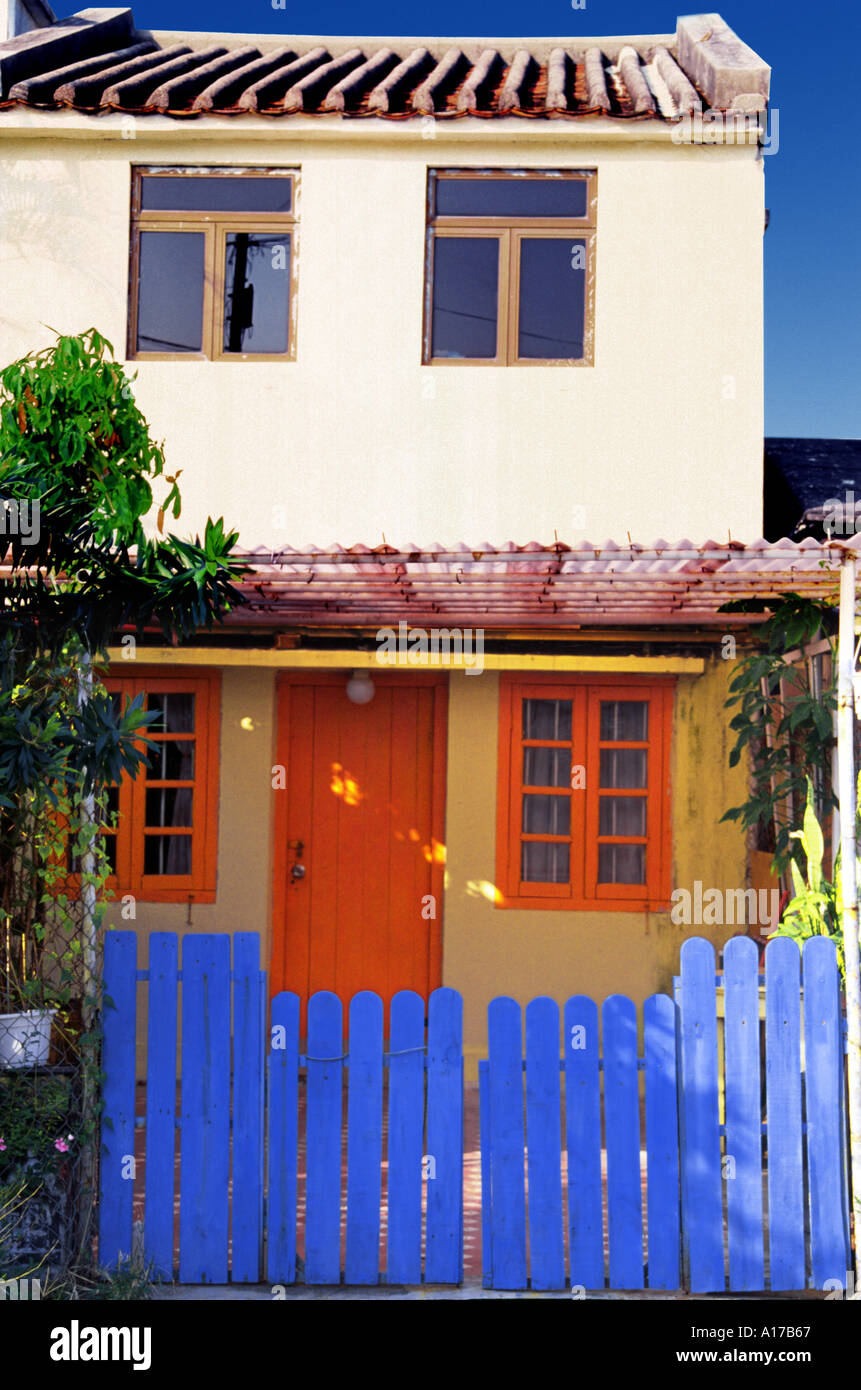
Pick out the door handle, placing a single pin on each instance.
(297, 871)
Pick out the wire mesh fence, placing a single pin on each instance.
(48, 1115)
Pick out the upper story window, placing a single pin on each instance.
(213, 259)
(510, 267)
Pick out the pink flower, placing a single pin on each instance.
(61, 1146)
(2, 1144)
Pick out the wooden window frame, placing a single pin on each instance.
(583, 893)
(200, 885)
(510, 231)
(214, 226)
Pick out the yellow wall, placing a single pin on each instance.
(486, 951)
(490, 951)
(661, 437)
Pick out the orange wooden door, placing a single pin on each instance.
(364, 796)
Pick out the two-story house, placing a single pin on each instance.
(451, 330)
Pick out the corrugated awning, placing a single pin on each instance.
(534, 586)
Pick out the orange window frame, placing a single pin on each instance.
(583, 892)
(199, 885)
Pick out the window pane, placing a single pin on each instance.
(256, 292)
(623, 767)
(169, 806)
(175, 711)
(465, 296)
(170, 292)
(167, 854)
(547, 815)
(546, 767)
(513, 197)
(622, 815)
(230, 193)
(544, 863)
(110, 843)
(621, 863)
(549, 719)
(171, 762)
(552, 297)
(625, 721)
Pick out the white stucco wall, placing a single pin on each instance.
(662, 437)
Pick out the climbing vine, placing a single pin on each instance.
(781, 723)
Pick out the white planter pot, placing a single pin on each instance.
(25, 1039)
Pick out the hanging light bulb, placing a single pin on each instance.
(360, 688)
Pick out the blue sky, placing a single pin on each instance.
(813, 181)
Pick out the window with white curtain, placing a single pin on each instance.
(584, 795)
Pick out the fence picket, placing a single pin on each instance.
(118, 1120)
(543, 1139)
(161, 1101)
(583, 1138)
(508, 1213)
(662, 1142)
(783, 1114)
(622, 1128)
(823, 1072)
(702, 1199)
(283, 1061)
(743, 1115)
(444, 1234)
(205, 1146)
(406, 1132)
(247, 1104)
(364, 1139)
(325, 1100)
(484, 1141)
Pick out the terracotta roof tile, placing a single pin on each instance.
(639, 79)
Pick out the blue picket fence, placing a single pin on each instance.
(704, 1220)
(239, 1127)
(572, 1190)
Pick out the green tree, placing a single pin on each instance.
(78, 466)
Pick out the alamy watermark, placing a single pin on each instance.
(436, 646)
(729, 128)
(21, 518)
(716, 907)
(841, 516)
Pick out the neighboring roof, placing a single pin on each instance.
(801, 477)
(532, 586)
(97, 61)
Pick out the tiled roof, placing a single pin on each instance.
(97, 61)
(538, 586)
